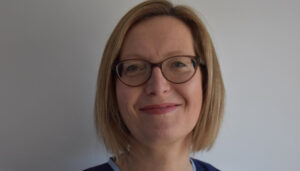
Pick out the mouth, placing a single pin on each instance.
(159, 109)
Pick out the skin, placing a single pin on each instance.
(162, 142)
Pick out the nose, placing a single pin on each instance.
(157, 84)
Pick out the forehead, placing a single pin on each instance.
(157, 38)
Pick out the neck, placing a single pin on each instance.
(171, 156)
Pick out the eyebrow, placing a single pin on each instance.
(169, 54)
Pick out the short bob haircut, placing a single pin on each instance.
(108, 121)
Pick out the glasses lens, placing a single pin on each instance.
(179, 69)
(133, 72)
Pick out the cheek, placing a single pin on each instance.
(193, 94)
(126, 98)
(122, 93)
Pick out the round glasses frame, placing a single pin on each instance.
(197, 60)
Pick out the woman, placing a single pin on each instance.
(160, 94)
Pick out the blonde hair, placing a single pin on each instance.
(109, 124)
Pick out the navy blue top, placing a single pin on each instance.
(111, 166)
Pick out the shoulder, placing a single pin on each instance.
(203, 166)
(102, 167)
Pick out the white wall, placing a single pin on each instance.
(49, 56)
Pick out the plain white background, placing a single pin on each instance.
(50, 53)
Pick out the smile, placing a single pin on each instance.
(159, 108)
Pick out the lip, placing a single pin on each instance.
(158, 109)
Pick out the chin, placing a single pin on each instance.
(163, 137)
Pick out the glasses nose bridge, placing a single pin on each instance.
(158, 76)
(158, 64)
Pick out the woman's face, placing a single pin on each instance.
(159, 112)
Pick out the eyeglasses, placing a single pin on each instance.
(177, 69)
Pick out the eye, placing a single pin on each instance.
(179, 64)
(132, 68)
